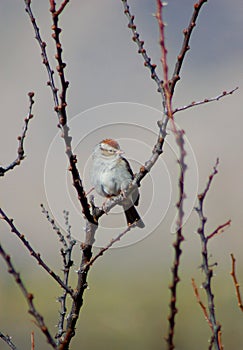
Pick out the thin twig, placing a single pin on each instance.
(67, 264)
(166, 87)
(206, 267)
(185, 45)
(32, 338)
(66, 253)
(112, 242)
(33, 253)
(21, 138)
(60, 108)
(236, 283)
(206, 100)
(81, 285)
(8, 341)
(179, 239)
(54, 226)
(219, 229)
(141, 49)
(29, 297)
(203, 307)
(61, 8)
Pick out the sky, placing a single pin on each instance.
(111, 95)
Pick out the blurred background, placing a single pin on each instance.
(126, 304)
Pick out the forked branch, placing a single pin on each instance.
(32, 251)
(206, 266)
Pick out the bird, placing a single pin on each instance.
(111, 175)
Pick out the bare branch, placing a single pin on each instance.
(28, 297)
(54, 227)
(33, 253)
(112, 242)
(203, 307)
(61, 8)
(8, 341)
(207, 269)
(32, 338)
(219, 229)
(61, 65)
(206, 100)
(21, 138)
(166, 87)
(179, 240)
(236, 284)
(185, 45)
(67, 264)
(60, 108)
(141, 49)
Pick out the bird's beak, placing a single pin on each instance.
(120, 152)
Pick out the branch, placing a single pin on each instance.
(112, 242)
(32, 338)
(33, 252)
(61, 8)
(8, 341)
(28, 297)
(81, 285)
(61, 65)
(207, 269)
(21, 138)
(166, 87)
(236, 284)
(203, 307)
(219, 229)
(141, 49)
(60, 108)
(185, 45)
(66, 253)
(179, 240)
(54, 227)
(206, 100)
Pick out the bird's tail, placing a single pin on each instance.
(132, 216)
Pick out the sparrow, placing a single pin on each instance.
(111, 175)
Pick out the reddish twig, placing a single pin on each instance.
(178, 241)
(7, 339)
(166, 87)
(61, 8)
(33, 253)
(185, 45)
(28, 297)
(203, 307)
(21, 138)
(206, 100)
(32, 338)
(206, 267)
(236, 284)
(219, 229)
